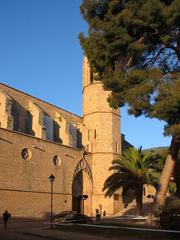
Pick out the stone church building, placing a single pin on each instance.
(38, 139)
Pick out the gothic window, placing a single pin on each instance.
(79, 139)
(56, 132)
(73, 133)
(48, 127)
(28, 124)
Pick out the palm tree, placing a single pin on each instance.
(131, 171)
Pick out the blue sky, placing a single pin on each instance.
(40, 54)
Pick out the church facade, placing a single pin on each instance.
(38, 139)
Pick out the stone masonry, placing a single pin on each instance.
(38, 139)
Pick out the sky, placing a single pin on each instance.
(40, 54)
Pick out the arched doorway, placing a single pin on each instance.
(82, 193)
(77, 191)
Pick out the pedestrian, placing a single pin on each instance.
(98, 216)
(6, 217)
(104, 213)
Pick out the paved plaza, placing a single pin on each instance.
(38, 230)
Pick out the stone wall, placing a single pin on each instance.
(26, 163)
(29, 157)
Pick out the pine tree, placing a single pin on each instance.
(134, 49)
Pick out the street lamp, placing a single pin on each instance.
(51, 179)
(83, 198)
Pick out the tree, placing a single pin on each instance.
(160, 153)
(130, 172)
(134, 49)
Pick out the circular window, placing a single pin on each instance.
(56, 160)
(26, 154)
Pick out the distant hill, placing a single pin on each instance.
(156, 149)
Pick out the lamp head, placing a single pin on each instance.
(51, 178)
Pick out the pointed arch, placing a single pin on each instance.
(83, 165)
(82, 186)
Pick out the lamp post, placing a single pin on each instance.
(51, 179)
(83, 197)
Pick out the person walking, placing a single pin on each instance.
(6, 216)
(98, 216)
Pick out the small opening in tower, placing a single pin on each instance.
(88, 134)
(94, 133)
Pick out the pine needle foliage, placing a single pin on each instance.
(134, 46)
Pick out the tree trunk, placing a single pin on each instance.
(177, 176)
(139, 201)
(165, 178)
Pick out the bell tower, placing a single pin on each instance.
(100, 136)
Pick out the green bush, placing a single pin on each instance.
(170, 215)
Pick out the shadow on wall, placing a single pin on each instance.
(23, 122)
(29, 124)
(47, 215)
(22, 119)
(56, 133)
(79, 139)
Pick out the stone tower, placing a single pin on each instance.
(101, 137)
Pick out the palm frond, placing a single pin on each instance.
(132, 169)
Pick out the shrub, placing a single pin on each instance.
(170, 215)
